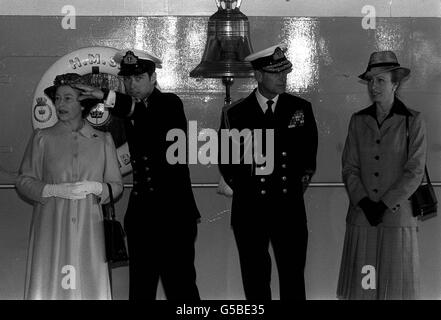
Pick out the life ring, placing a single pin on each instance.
(82, 61)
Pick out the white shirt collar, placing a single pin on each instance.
(262, 101)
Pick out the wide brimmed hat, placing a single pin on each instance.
(135, 62)
(66, 79)
(383, 61)
(271, 59)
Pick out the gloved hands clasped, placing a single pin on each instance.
(73, 191)
(374, 211)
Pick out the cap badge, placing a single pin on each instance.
(278, 54)
(130, 58)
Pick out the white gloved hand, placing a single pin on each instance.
(87, 187)
(89, 92)
(224, 189)
(62, 190)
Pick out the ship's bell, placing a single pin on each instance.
(228, 43)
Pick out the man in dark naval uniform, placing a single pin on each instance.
(269, 207)
(161, 218)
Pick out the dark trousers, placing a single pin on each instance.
(289, 242)
(162, 250)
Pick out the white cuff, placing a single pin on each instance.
(98, 188)
(111, 99)
(48, 191)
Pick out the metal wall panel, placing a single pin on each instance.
(328, 54)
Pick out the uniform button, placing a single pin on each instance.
(135, 172)
(375, 190)
(378, 141)
(283, 166)
(133, 161)
(284, 178)
(74, 220)
(398, 205)
(75, 155)
(151, 189)
(376, 174)
(149, 179)
(262, 179)
(147, 169)
(144, 158)
(377, 158)
(284, 153)
(135, 182)
(135, 193)
(285, 190)
(263, 192)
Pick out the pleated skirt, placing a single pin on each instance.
(379, 263)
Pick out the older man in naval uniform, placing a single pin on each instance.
(268, 206)
(162, 216)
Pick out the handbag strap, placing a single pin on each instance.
(407, 150)
(111, 202)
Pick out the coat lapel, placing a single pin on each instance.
(254, 113)
(392, 122)
(370, 122)
(280, 111)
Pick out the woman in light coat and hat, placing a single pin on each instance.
(64, 173)
(381, 170)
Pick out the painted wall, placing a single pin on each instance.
(292, 8)
(327, 52)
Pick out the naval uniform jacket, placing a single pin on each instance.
(377, 164)
(278, 195)
(162, 191)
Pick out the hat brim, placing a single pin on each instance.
(284, 66)
(50, 92)
(403, 72)
(131, 72)
(142, 66)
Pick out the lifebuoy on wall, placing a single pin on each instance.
(90, 60)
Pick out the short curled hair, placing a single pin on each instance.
(396, 77)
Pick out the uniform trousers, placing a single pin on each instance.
(162, 249)
(289, 241)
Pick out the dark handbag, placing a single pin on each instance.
(116, 252)
(424, 202)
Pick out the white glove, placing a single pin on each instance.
(89, 92)
(305, 181)
(62, 190)
(224, 189)
(87, 187)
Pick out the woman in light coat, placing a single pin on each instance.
(63, 172)
(380, 171)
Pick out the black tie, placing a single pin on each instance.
(269, 115)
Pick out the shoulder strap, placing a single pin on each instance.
(407, 135)
(111, 208)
